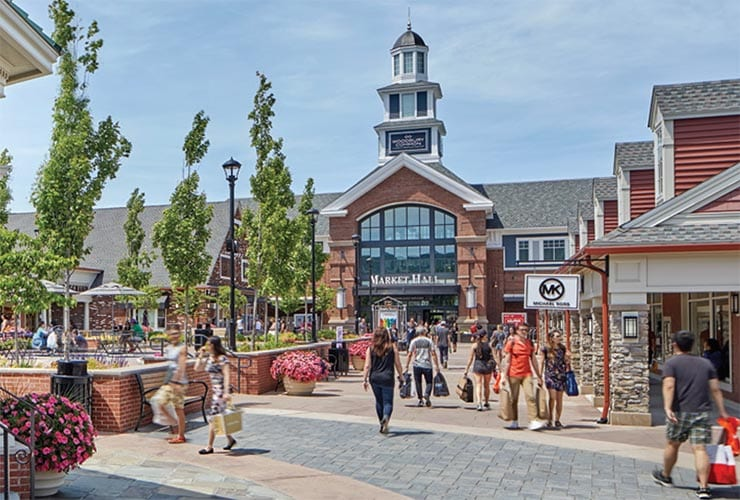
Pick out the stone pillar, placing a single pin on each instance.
(585, 373)
(629, 375)
(597, 347)
(575, 341)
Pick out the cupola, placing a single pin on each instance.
(409, 58)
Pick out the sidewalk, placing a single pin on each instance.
(327, 446)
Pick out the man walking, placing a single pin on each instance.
(688, 381)
(421, 350)
(441, 338)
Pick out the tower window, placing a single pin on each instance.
(396, 64)
(420, 62)
(408, 62)
(407, 105)
(421, 104)
(394, 105)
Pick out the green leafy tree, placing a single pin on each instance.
(267, 230)
(5, 196)
(82, 157)
(223, 299)
(182, 233)
(133, 268)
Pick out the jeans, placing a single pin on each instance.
(443, 353)
(383, 400)
(427, 373)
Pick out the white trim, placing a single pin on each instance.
(475, 201)
(704, 218)
(32, 46)
(560, 230)
(693, 199)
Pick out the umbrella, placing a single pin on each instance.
(52, 287)
(111, 288)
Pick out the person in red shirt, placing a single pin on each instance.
(517, 367)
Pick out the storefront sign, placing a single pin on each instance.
(556, 291)
(515, 319)
(388, 318)
(406, 279)
(410, 141)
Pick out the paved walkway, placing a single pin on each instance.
(327, 446)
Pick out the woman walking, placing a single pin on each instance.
(516, 372)
(171, 396)
(555, 363)
(453, 336)
(481, 357)
(217, 366)
(381, 358)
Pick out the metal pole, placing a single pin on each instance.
(370, 291)
(232, 308)
(313, 278)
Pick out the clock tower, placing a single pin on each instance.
(410, 123)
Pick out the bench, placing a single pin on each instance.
(150, 382)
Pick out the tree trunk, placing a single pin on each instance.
(254, 320)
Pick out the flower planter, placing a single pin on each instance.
(357, 363)
(48, 482)
(296, 388)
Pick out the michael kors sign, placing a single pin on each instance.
(556, 291)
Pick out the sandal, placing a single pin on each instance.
(176, 440)
(205, 451)
(232, 442)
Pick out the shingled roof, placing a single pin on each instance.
(537, 204)
(605, 188)
(633, 156)
(701, 98)
(687, 234)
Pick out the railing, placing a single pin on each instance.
(22, 455)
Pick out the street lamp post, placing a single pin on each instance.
(231, 170)
(370, 291)
(314, 213)
(356, 291)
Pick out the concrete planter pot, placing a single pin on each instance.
(295, 388)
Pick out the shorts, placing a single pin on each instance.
(693, 426)
(170, 394)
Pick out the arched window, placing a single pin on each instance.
(409, 240)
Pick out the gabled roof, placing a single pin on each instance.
(633, 156)
(684, 100)
(537, 204)
(434, 173)
(605, 188)
(586, 209)
(702, 234)
(688, 201)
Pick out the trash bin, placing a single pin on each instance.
(73, 382)
(340, 355)
(201, 337)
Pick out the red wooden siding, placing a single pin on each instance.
(590, 231)
(611, 216)
(642, 192)
(704, 147)
(728, 203)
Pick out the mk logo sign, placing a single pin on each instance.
(552, 289)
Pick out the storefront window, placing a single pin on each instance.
(709, 316)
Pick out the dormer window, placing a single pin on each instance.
(420, 66)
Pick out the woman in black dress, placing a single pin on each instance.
(481, 357)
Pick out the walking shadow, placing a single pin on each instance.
(240, 452)
(392, 434)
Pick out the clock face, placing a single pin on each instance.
(408, 141)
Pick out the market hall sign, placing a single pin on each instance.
(406, 279)
(556, 291)
(409, 141)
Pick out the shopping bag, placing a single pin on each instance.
(571, 386)
(543, 412)
(404, 388)
(229, 422)
(722, 464)
(505, 410)
(440, 386)
(464, 389)
(730, 426)
(497, 383)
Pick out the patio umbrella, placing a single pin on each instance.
(52, 287)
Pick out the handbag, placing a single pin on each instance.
(543, 412)
(464, 389)
(505, 411)
(404, 389)
(721, 464)
(440, 386)
(730, 426)
(571, 386)
(228, 422)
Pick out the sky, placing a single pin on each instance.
(532, 90)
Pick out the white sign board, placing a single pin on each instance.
(552, 291)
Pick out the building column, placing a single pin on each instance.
(585, 373)
(628, 368)
(575, 341)
(597, 348)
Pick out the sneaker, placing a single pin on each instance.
(535, 425)
(428, 403)
(703, 493)
(662, 480)
(384, 425)
(479, 407)
(487, 406)
(558, 424)
(420, 403)
(514, 425)
(445, 365)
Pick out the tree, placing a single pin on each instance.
(223, 299)
(5, 196)
(82, 157)
(182, 233)
(133, 268)
(267, 230)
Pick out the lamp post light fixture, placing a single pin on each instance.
(471, 300)
(314, 213)
(231, 170)
(341, 297)
(356, 290)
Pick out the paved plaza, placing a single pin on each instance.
(328, 446)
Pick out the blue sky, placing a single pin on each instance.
(532, 89)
